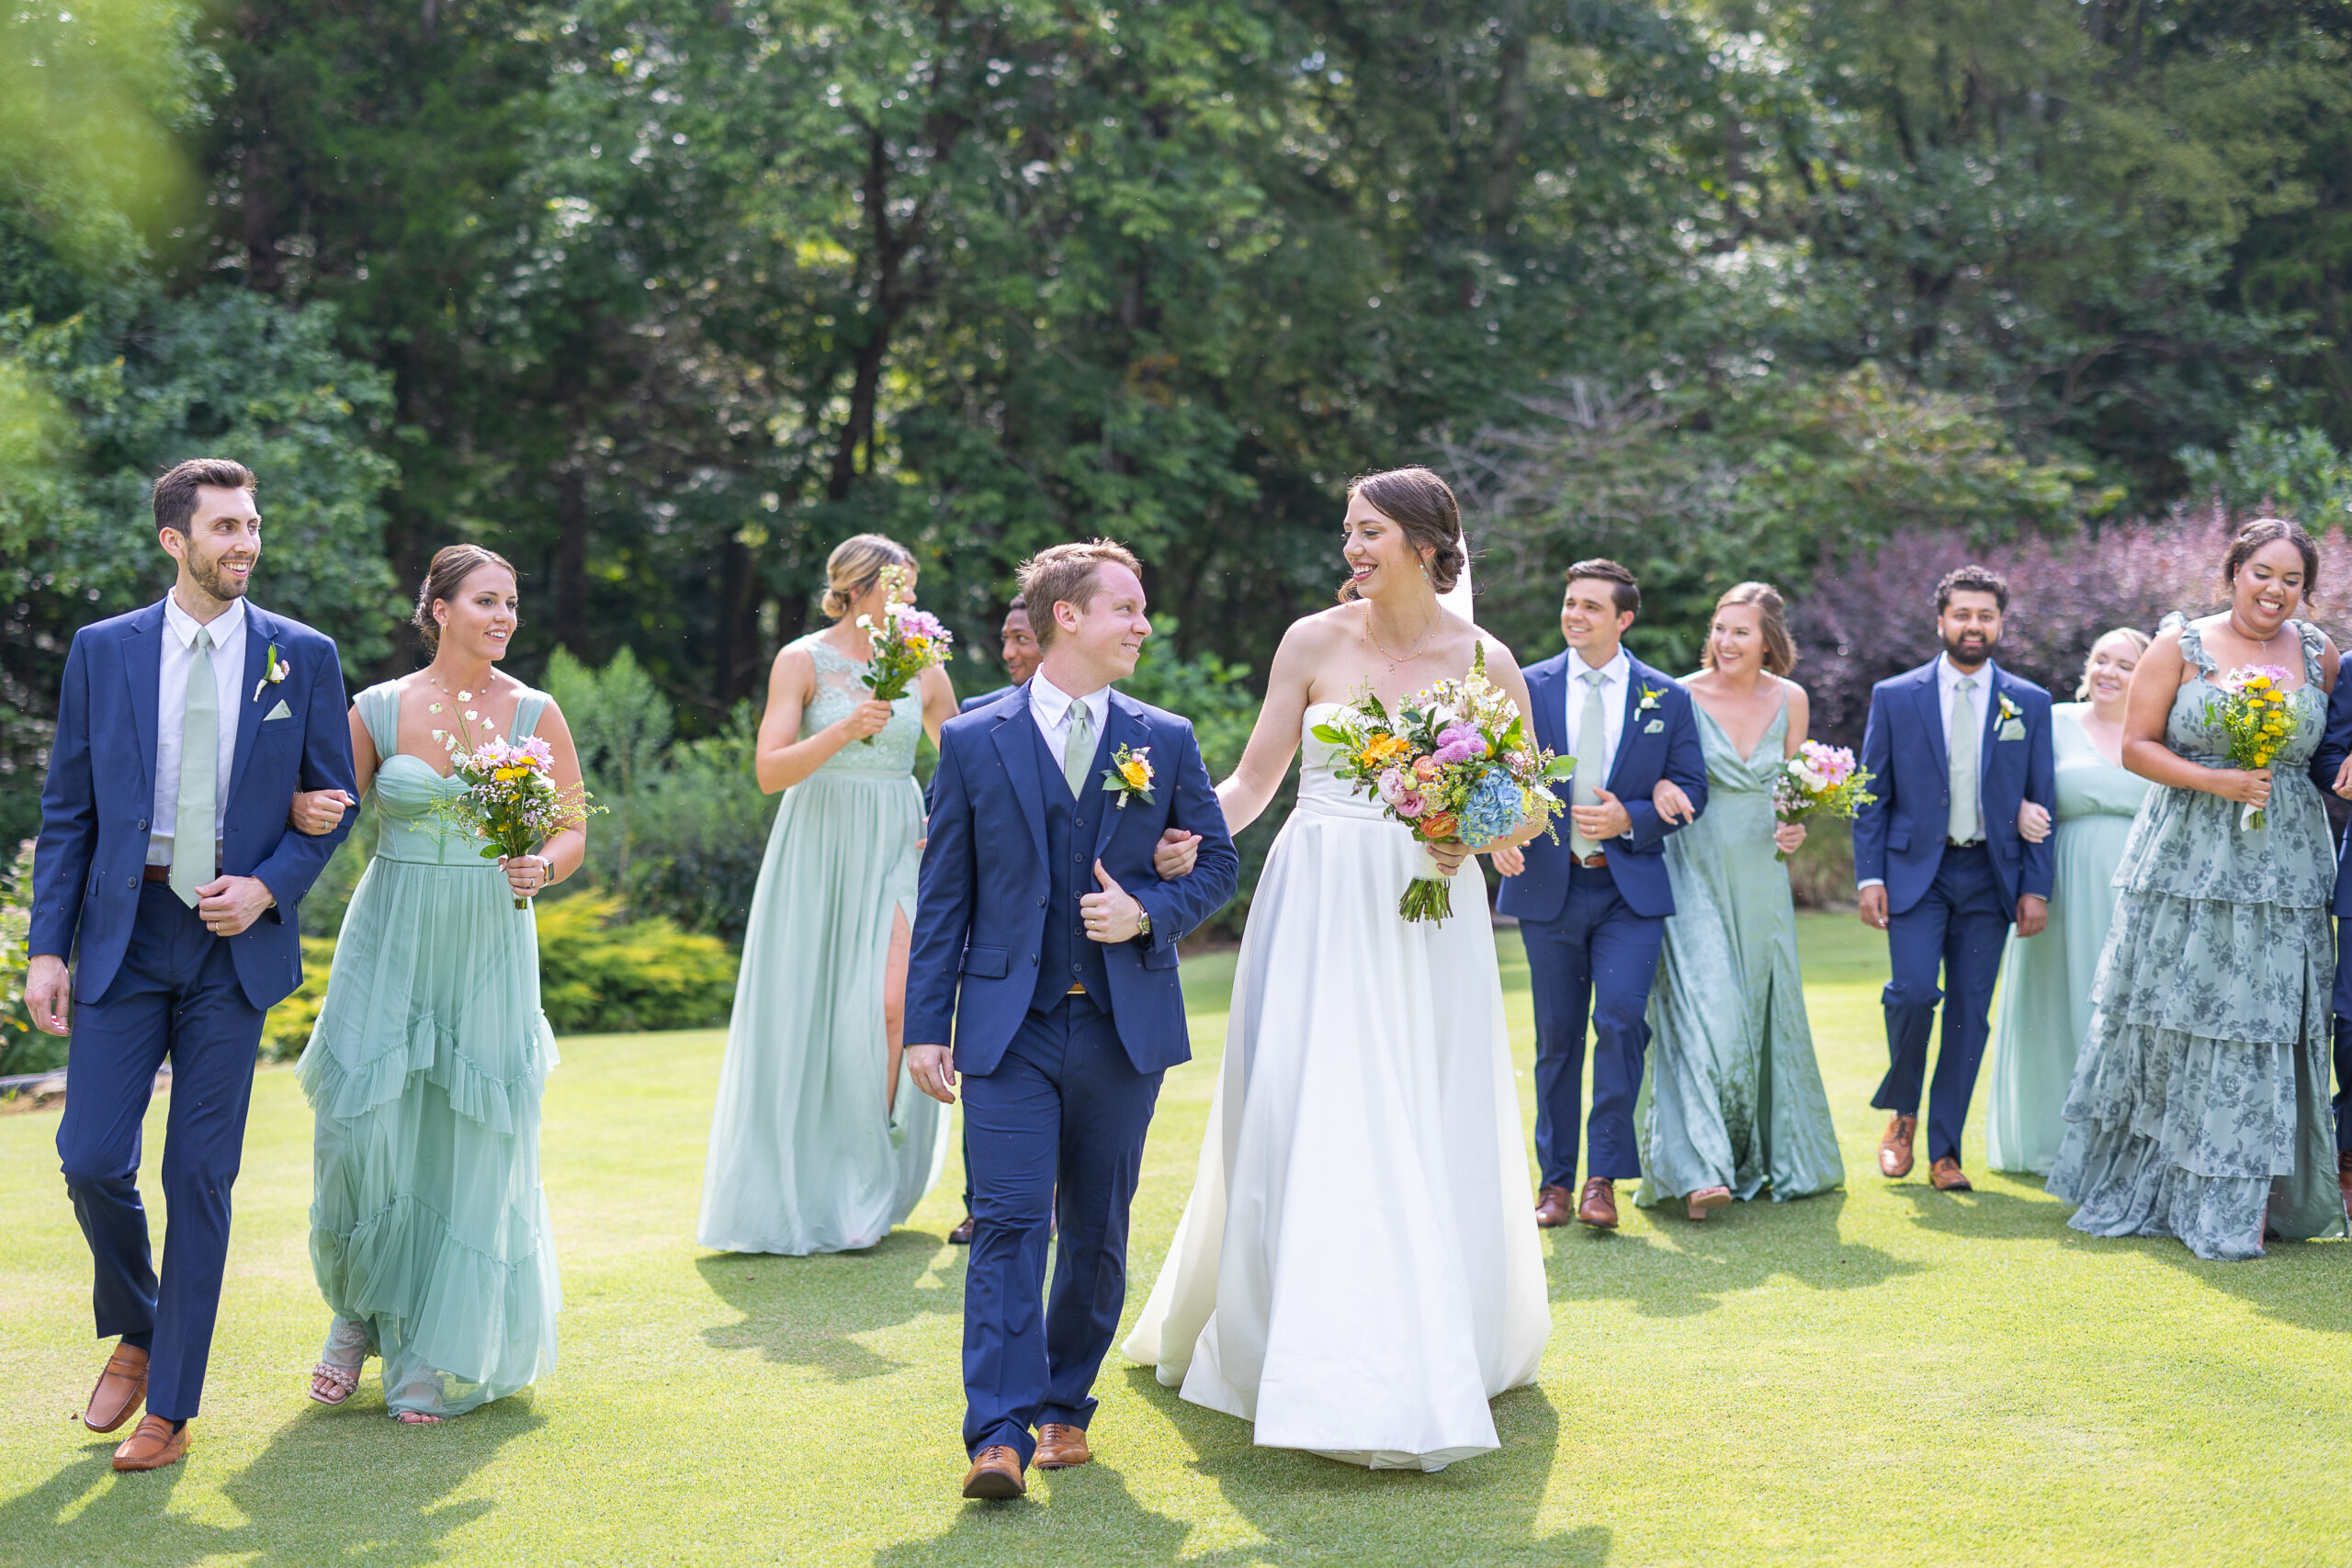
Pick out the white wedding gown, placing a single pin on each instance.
(1357, 1269)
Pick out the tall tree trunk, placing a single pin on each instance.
(571, 561)
(738, 635)
(1510, 120)
(865, 386)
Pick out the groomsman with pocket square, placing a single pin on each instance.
(1592, 908)
(168, 874)
(1953, 748)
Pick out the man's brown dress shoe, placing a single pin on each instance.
(121, 1389)
(996, 1473)
(961, 1234)
(1555, 1206)
(1945, 1176)
(151, 1445)
(1598, 1206)
(1894, 1149)
(2344, 1177)
(1060, 1446)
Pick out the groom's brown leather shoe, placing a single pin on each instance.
(1555, 1206)
(2343, 1179)
(151, 1445)
(1060, 1446)
(1598, 1206)
(1894, 1149)
(996, 1473)
(1945, 1176)
(121, 1389)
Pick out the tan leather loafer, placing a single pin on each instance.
(996, 1475)
(121, 1389)
(1597, 1206)
(1699, 1203)
(152, 1445)
(1894, 1149)
(1945, 1176)
(1555, 1206)
(1060, 1446)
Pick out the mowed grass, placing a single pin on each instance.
(1886, 1375)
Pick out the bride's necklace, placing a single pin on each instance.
(1437, 616)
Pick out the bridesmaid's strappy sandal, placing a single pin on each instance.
(336, 1377)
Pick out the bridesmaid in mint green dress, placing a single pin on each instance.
(2199, 1105)
(2044, 1006)
(429, 1231)
(820, 1141)
(1733, 1102)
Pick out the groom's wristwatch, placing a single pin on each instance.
(1143, 923)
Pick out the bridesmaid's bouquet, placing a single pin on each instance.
(2258, 717)
(908, 642)
(510, 800)
(1820, 781)
(1454, 764)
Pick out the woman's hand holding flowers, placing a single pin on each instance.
(1788, 837)
(2248, 786)
(865, 721)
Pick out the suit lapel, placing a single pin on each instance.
(1930, 697)
(1015, 736)
(142, 666)
(1544, 696)
(259, 630)
(1637, 676)
(1122, 725)
(1993, 695)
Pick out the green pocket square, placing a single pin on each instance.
(2012, 730)
(1654, 726)
(280, 711)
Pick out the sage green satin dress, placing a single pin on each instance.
(1733, 1097)
(2045, 1007)
(806, 1154)
(429, 1231)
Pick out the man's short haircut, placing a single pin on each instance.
(175, 491)
(1622, 589)
(1064, 574)
(1020, 606)
(1973, 578)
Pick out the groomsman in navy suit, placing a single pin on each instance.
(2332, 769)
(168, 872)
(1592, 908)
(1044, 948)
(1953, 748)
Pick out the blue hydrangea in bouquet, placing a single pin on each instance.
(1454, 764)
(908, 642)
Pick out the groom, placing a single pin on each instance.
(167, 871)
(1045, 945)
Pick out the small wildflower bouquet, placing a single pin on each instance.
(908, 642)
(1820, 781)
(510, 800)
(1454, 764)
(2258, 718)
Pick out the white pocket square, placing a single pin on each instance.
(280, 711)
(1654, 726)
(2012, 730)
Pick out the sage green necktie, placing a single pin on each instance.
(193, 846)
(1965, 825)
(1592, 742)
(1078, 749)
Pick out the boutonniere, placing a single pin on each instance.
(2008, 708)
(1650, 694)
(273, 670)
(1129, 774)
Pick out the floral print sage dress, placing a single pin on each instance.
(2200, 1100)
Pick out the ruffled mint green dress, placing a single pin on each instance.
(806, 1154)
(2201, 1093)
(2044, 1008)
(429, 1231)
(1733, 1097)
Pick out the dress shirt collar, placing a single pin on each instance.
(1948, 675)
(1052, 704)
(1613, 674)
(223, 626)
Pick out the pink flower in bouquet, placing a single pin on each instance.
(1392, 786)
(1412, 804)
(1459, 743)
(922, 624)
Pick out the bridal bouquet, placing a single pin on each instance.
(1454, 764)
(510, 799)
(908, 642)
(1820, 781)
(2258, 718)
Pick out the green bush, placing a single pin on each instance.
(23, 1048)
(699, 830)
(287, 1028)
(599, 976)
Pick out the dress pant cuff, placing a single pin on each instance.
(1066, 1415)
(1018, 1438)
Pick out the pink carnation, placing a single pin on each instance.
(1392, 786)
(1460, 743)
(1412, 804)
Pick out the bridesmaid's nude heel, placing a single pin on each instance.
(1708, 1197)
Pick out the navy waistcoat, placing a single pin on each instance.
(1071, 830)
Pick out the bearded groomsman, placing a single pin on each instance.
(1954, 747)
(168, 872)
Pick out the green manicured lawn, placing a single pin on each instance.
(1883, 1376)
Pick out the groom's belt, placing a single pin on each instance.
(1598, 858)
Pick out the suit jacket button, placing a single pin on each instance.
(1041, 903)
(143, 824)
(1033, 961)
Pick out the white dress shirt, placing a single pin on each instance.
(228, 631)
(1948, 678)
(1615, 677)
(1050, 705)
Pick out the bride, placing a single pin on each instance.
(1356, 1271)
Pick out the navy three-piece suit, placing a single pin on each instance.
(2334, 746)
(151, 982)
(1058, 1084)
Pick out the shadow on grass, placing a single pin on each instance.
(1988, 1213)
(804, 1310)
(1686, 1267)
(2297, 1282)
(299, 1498)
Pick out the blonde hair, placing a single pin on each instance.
(1771, 614)
(855, 565)
(1065, 574)
(2132, 635)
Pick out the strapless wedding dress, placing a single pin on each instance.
(1357, 1271)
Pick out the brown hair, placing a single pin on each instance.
(1065, 574)
(452, 564)
(1420, 504)
(2132, 635)
(2267, 531)
(175, 491)
(1771, 614)
(855, 565)
(1972, 580)
(1624, 592)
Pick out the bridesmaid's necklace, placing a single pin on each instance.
(2244, 633)
(1437, 615)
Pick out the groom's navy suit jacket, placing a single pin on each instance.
(1899, 838)
(1659, 741)
(986, 884)
(101, 792)
(2334, 746)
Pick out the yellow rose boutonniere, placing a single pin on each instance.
(1129, 774)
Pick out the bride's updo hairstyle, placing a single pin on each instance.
(1420, 503)
(452, 564)
(855, 565)
(2264, 531)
